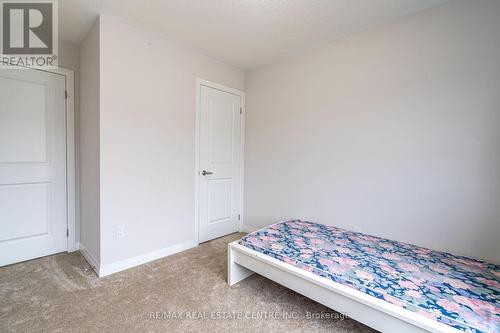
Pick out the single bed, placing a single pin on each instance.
(388, 285)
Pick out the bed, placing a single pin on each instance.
(387, 285)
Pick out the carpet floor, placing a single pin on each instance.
(186, 292)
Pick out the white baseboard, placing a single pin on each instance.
(248, 229)
(89, 257)
(121, 265)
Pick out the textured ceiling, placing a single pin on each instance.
(243, 33)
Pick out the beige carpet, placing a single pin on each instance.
(61, 293)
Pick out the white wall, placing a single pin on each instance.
(147, 125)
(89, 143)
(395, 130)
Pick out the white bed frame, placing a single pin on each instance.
(373, 312)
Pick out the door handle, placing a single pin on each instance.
(206, 173)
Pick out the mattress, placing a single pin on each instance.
(457, 291)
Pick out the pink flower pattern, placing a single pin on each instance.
(457, 291)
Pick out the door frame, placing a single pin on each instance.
(199, 83)
(71, 204)
(71, 208)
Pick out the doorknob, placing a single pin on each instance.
(205, 173)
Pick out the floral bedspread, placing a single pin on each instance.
(460, 292)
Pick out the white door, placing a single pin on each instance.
(219, 195)
(32, 165)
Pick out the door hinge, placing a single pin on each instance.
(66, 94)
(241, 110)
(67, 232)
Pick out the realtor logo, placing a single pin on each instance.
(29, 33)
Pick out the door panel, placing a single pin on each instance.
(221, 121)
(32, 165)
(23, 121)
(220, 131)
(220, 192)
(33, 219)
